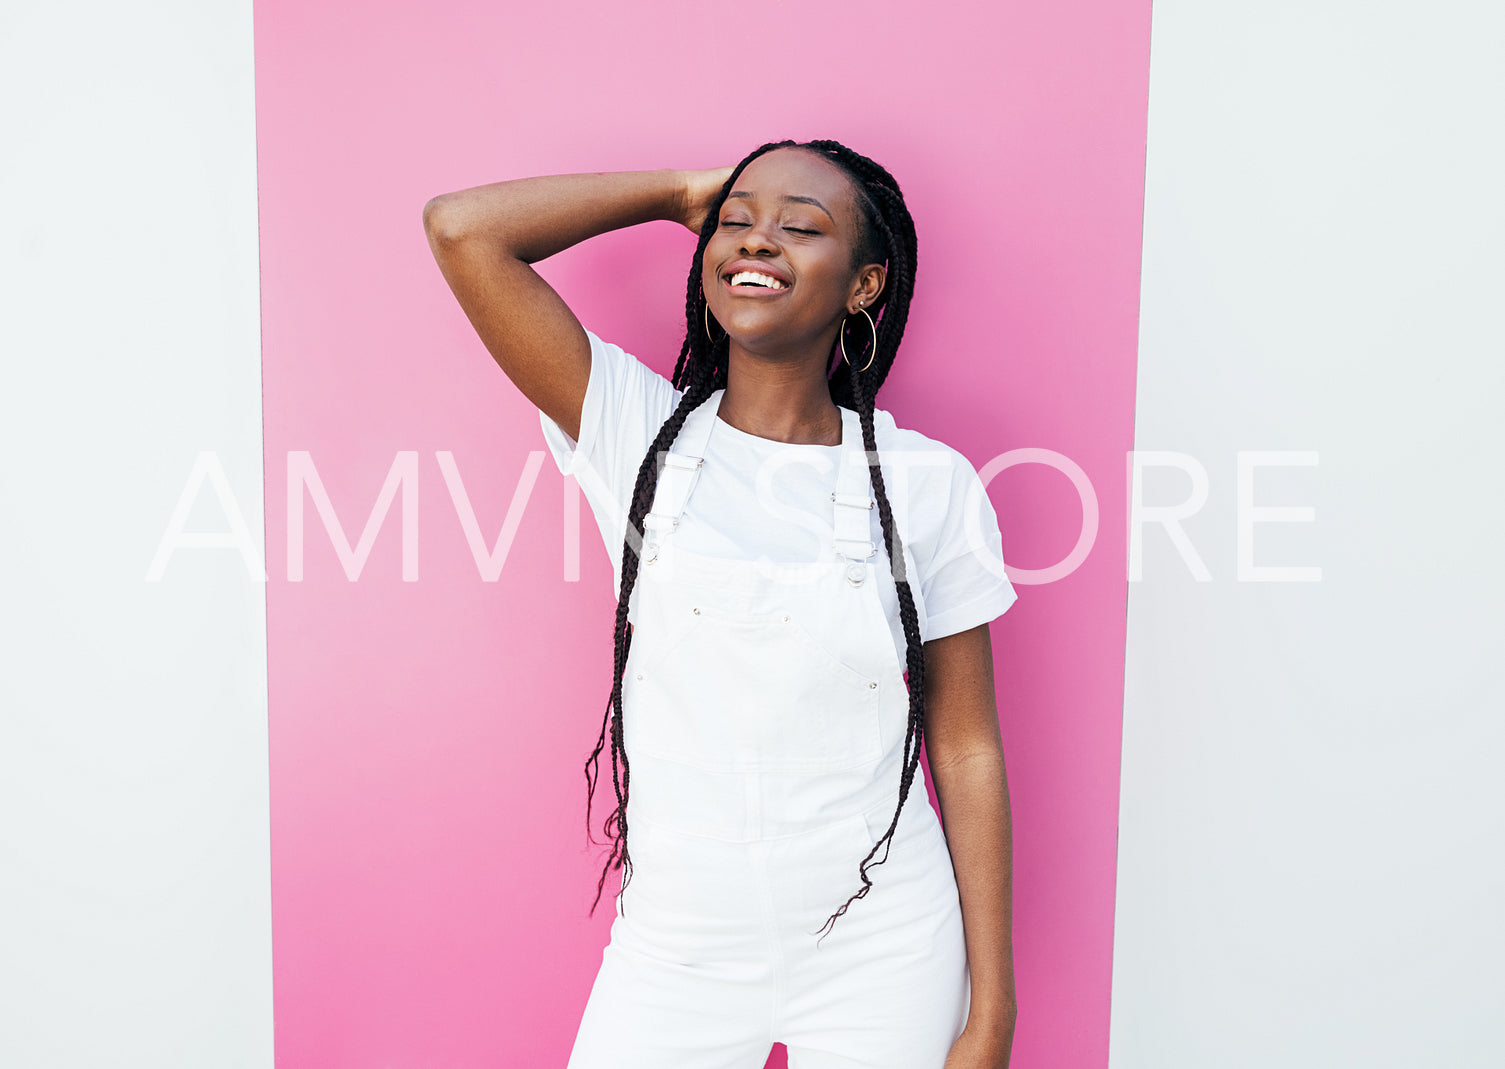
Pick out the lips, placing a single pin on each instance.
(748, 278)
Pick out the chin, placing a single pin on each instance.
(761, 338)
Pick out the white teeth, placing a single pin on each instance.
(757, 278)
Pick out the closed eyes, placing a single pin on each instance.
(791, 229)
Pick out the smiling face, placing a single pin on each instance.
(777, 271)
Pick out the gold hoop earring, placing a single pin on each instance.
(841, 340)
(706, 305)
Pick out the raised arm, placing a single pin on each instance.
(485, 240)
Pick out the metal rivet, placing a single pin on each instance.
(870, 686)
(640, 675)
(695, 611)
(786, 619)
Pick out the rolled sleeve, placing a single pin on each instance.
(984, 606)
(626, 403)
(971, 586)
(572, 455)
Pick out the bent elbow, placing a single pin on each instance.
(438, 221)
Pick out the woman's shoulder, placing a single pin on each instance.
(932, 486)
(948, 522)
(910, 445)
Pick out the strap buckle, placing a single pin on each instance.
(871, 548)
(856, 501)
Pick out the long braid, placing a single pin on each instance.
(699, 372)
(888, 235)
(893, 238)
(615, 826)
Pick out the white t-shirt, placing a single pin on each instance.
(758, 499)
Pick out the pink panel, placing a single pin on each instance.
(431, 877)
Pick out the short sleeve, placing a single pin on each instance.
(626, 402)
(965, 583)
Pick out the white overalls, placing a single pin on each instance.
(765, 710)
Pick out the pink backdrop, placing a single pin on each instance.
(430, 871)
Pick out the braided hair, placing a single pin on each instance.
(886, 235)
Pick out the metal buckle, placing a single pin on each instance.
(856, 501)
(871, 548)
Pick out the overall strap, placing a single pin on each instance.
(853, 499)
(681, 468)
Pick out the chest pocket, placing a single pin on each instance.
(736, 691)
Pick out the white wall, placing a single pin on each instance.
(135, 917)
(1310, 862)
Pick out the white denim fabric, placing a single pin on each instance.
(765, 710)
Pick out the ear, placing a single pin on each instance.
(870, 282)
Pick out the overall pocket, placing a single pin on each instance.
(745, 691)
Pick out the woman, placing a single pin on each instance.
(780, 654)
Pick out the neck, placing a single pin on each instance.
(785, 401)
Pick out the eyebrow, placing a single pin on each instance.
(787, 198)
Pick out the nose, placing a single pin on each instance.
(757, 239)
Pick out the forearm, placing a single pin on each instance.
(974, 798)
(531, 219)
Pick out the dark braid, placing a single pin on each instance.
(894, 240)
(887, 236)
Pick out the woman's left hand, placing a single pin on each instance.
(972, 1051)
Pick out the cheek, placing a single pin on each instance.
(708, 263)
(830, 278)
